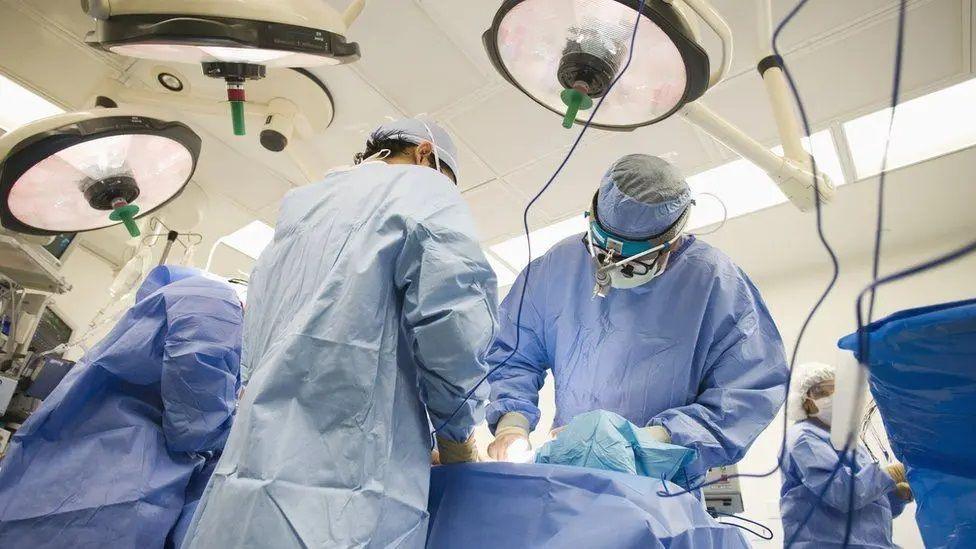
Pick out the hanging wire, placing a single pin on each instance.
(832, 256)
(725, 216)
(525, 223)
(767, 536)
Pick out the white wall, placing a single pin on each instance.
(790, 298)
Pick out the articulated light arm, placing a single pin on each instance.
(793, 172)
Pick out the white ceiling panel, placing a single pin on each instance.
(509, 130)
(67, 15)
(464, 23)
(411, 59)
(50, 61)
(570, 194)
(855, 72)
(497, 210)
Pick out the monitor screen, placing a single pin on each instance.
(60, 244)
(52, 331)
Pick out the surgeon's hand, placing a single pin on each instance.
(511, 428)
(435, 457)
(897, 473)
(904, 491)
(450, 451)
(658, 433)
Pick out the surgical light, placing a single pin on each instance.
(85, 171)
(564, 54)
(234, 40)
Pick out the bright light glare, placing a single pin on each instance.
(520, 452)
(744, 188)
(251, 239)
(513, 251)
(19, 106)
(932, 125)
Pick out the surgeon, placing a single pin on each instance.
(369, 318)
(638, 318)
(814, 521)
(111, 456)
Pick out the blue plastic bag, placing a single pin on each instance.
(604, 440)
(923, 377)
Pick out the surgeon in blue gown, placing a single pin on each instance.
(111, 456)
(369, 318)
(811, 468)
(640, 319)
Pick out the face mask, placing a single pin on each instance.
(825, 409)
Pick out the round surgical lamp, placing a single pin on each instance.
(565, 54)
(233, 40)
(85, 171)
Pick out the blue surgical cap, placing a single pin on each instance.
(641, 196)
(417, 131)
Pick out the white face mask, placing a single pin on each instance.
(825, 409)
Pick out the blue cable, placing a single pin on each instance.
(525, 224)
(835, 264)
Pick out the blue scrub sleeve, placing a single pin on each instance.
(201, 366)
(449, 294)
(515, 386)
(742, 391)
(816, 459)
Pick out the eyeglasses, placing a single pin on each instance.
(821, 390)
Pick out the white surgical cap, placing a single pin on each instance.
(417, 131)
(806, 376)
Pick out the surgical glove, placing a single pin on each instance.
(904, 491)
(658, 433)
(450, 451)
(511, 428)
(897, 473)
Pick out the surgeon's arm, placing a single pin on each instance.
(521, 371)
(816, 460)
(743, 388)
(448, 292)
(201, 365)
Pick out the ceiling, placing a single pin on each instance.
(425, 56)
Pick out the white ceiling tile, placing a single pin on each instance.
(571, 193)
(411, 59)
(498, 211)
(509, 130)
(224, 170)
(464, 23)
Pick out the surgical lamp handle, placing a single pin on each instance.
(720, 27)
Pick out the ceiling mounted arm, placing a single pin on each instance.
(720, 27)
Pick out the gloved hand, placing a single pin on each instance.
(904, 491)
(450, 451)
(512, 427)
(897, 473)
(658, 433)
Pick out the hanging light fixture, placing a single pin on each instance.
(564, 54)
(233, 40)
(90, 170)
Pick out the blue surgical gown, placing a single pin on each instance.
(694, 350)
(373, 300)
(807, 465)
(107, 459)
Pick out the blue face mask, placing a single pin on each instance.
(604, 440)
